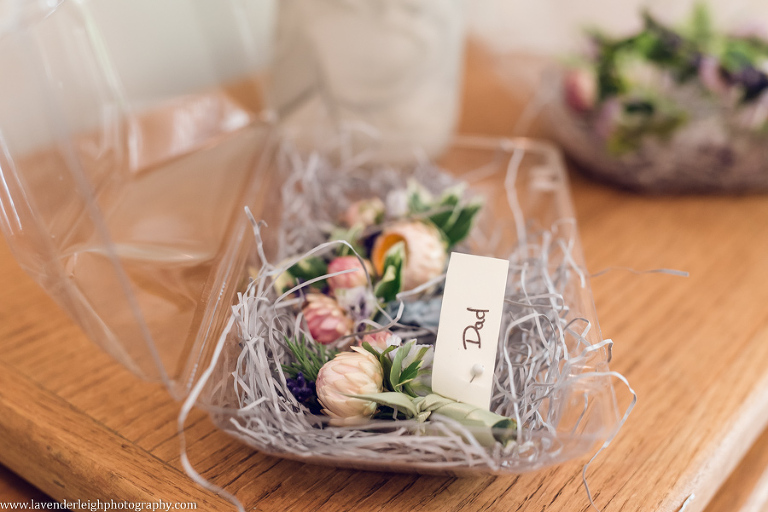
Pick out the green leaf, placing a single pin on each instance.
(463, 225)
(500, 429)
(701, 25)
(505, 430)
(609, 80)
(409, 390)
(410, 373)
(391, 280)
(419, 199)
(422, 352)
(397, 401)
(367, 346)
(448, 209)
(386, 366)
(433, 402)
(397, 364)
(309, 268)
(417, 388)
(352, 237)
(386, 351)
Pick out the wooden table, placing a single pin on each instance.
(79, 426)
(13, 489)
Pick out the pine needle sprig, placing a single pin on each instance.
(308, 358)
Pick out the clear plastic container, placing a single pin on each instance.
(130, 139)
(527, 209)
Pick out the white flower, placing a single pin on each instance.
(349, 373)
(365, 212)
(359, 302)
(397, 203)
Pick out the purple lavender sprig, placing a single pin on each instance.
(305, 392)
(302, 371)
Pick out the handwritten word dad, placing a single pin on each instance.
(472, 332)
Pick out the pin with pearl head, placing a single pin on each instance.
(476, 371)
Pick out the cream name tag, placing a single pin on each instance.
(468, 333)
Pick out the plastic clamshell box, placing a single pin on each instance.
(123, 196)
(524, 187)
(125, 164)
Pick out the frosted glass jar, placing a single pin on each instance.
(389, 70)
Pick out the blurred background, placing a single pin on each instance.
(328, 62)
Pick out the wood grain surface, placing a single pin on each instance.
(746, 490)
(79, 426)
(14, 489)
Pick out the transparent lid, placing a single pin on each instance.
(131, 138)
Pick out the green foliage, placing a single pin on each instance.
(396, 378)
(453, 217)
(462, 223)
(352, 236)
(701, 30)
(446, 207)
(500, 428)
(632, 70)
(309, 268)
(391, 281)
(656, 44)
(737, 53)
(397, 402)
(644, 118)
(419, 198)
(677, 51)
(487, 427)
(308, 358)
(451, 213)
(609, 81)
(667, 48)
(386, 363)
(399, 377)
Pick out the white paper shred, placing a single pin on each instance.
(549, 377)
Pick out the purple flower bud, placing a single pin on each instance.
(304, 392)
